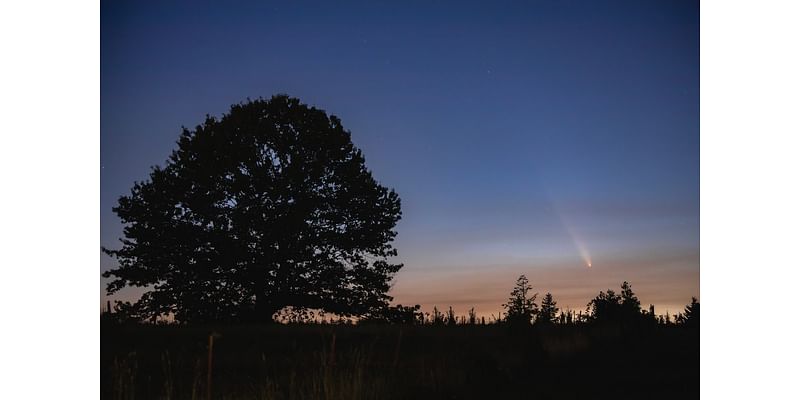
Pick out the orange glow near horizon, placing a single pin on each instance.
(666, 281)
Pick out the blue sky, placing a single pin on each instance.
(514, 132)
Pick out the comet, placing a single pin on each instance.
(576, 239)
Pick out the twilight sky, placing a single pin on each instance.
(523, 137)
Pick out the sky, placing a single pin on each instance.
(530, 137)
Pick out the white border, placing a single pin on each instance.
(49, 199)
(49, 220)
(750, 181)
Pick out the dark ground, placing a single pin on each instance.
(400, 362)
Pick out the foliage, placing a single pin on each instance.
(547, 313)
(267, 207)
(612, 307)
(605, 306)
(521, 308)
(451, 317)
(437, 317)
(630, 303)
(691, 314)
(398, 314)
(473, 317)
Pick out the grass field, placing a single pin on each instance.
(399, 362)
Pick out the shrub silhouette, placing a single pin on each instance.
(398, 314)
(268, 207)
(451, 317)
(437, 317)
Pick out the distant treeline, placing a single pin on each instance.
(521, 309)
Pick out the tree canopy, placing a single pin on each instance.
(691, 314)
(269, 206)
(609, 306)
(548, 311)
(521, 308)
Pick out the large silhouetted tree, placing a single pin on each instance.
(268, 206)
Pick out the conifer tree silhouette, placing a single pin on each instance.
(548, 310)
(691, 314)
(521, 308)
